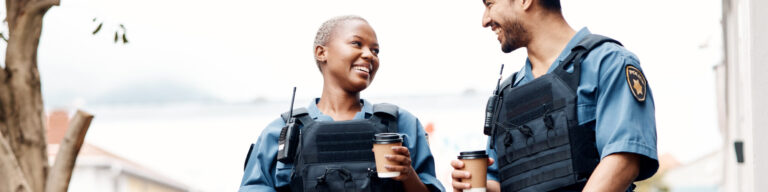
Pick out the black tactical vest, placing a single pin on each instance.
(536, 133)
(338, 156)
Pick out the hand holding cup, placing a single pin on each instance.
(391, 156)
(470, 170)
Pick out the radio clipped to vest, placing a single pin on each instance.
(490, 107)
(289, 137)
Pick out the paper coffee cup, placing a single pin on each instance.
(382, 146)
(476, 163)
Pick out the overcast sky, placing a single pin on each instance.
(239, 51)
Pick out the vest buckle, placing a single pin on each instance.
(525, 130)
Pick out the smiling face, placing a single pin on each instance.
(349, 59)
(504, 18)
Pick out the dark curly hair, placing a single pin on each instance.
(550, 5)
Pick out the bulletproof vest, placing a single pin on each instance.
(536, 133)
(337, 156)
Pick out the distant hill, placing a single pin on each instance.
(155, 92)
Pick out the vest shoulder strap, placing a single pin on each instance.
(509, 82)
(388, 114)
(385, 109)
(301, 114)
(594, 40)
(577, 55)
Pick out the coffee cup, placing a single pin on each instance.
(382, 146)
(476, 163)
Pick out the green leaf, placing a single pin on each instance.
(125, 40)
(98, 28)
(115, 36)
(3, 37)
(94, 19)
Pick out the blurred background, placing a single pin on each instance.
(177, 106)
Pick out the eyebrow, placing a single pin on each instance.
(356, 36)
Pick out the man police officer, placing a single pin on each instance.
(579, 116)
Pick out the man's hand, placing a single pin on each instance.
(457, 175)
(614, 173)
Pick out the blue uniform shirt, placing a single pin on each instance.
(264, 173)
(622, 124)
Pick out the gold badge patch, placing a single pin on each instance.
(636, 81)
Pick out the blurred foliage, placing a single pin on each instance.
(120, 33)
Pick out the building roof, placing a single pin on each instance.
(93, 156)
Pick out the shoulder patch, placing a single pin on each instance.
(636, 81)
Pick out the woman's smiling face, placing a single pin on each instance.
(351, 56)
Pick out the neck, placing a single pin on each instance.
(547, 42)
(339, 104)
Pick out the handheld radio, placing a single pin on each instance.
(286, 148)
(490, 108)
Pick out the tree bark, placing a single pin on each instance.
(21, 104)
(10, 169)
(61, 172)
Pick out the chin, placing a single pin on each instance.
(358, 86)
(508, 48)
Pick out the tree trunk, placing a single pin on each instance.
(10, 170)
(21, 104)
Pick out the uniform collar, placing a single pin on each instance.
(315, 112)
(527, 75)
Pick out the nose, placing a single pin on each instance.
(486, 18)
(367, 54)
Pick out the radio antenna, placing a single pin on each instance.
(498, 82)
(290, 113)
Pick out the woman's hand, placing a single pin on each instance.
(409, 177)
(402, 158)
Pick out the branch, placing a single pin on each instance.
(11, 175)
(61, 172)
(40, 5)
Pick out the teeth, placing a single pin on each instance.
(364, 69)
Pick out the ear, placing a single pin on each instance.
(525, 5)
(320, 54)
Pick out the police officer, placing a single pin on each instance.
(346, 50)
(579, 116)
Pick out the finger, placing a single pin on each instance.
(396, 168)
(402, 160)
(460, 175)
(458, 186)
(404, 174)
(456, 164)
(401, 150)
(490, 161)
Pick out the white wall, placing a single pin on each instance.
(759, 57)
(92, 179)
(746, 94)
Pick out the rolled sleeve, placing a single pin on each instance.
(259, 174)
(624, 124)
(421, 157)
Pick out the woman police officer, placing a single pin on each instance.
(346, 52)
